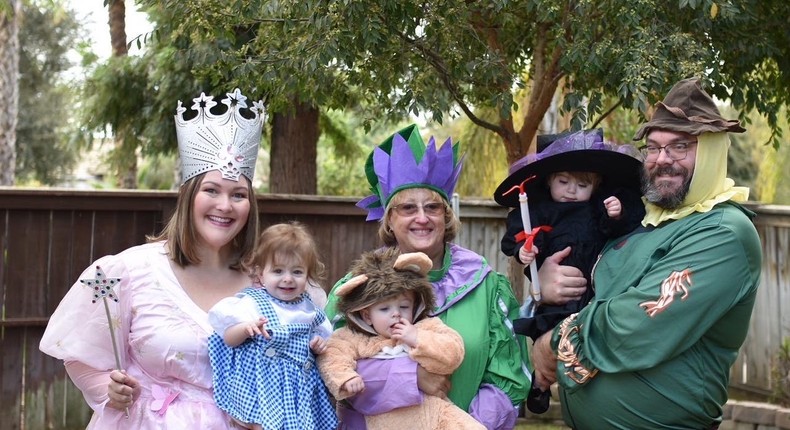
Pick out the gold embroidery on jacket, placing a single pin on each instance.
(567, 353)
(676, 282)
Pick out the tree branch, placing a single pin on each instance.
(436, 62)
(607, 113)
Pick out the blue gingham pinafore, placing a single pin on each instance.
(272, 382)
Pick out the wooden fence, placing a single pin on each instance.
(47, 237)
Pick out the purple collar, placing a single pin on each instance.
(462, 271)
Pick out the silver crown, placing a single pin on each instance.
(227, 142)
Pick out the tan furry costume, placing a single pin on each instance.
(440, 349)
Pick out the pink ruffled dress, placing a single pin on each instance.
(162, 338)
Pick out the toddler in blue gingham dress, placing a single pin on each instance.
(262, 350)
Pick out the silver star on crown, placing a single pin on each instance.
(227, 142)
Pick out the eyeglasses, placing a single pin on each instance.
(411, 209)
(675, 151)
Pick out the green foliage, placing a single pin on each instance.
(483, 152)
(115, 100)
(743, 160)
(341, 155)
(435, 57)
(343, 150)
(780, 375)
(262, 171)
(772, 182)
(157, 172)
(135, 97)
(45, 141)
(621, 124)
(755, 51)
(115, 96)
(388, 59)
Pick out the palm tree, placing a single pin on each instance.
(10, 13)
(125, 154)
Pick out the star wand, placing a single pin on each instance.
(102, 289)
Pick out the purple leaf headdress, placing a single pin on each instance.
(403, 161)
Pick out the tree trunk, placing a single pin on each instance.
(126, 165)
(541, 115)
(9, 88)
(118, 28)
(293, 157)
(546, 77)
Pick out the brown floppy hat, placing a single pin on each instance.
(689, 109)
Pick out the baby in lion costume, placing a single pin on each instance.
(386, 306)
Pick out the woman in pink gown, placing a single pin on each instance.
(165, 288)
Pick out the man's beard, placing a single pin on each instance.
(657, 193)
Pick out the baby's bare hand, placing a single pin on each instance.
(404, 331)
(527, 257)
(613, 207)
(318, 345)
(258, 328)
(353, 386)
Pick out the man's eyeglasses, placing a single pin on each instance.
(675, 151)
(411, 209)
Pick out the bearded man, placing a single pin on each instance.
(673, 298)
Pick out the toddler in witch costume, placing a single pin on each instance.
(586, 191)
(265, 341)
(386, 306)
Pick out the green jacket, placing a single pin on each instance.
(671, 309)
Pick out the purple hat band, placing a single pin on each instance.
(575, 142)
